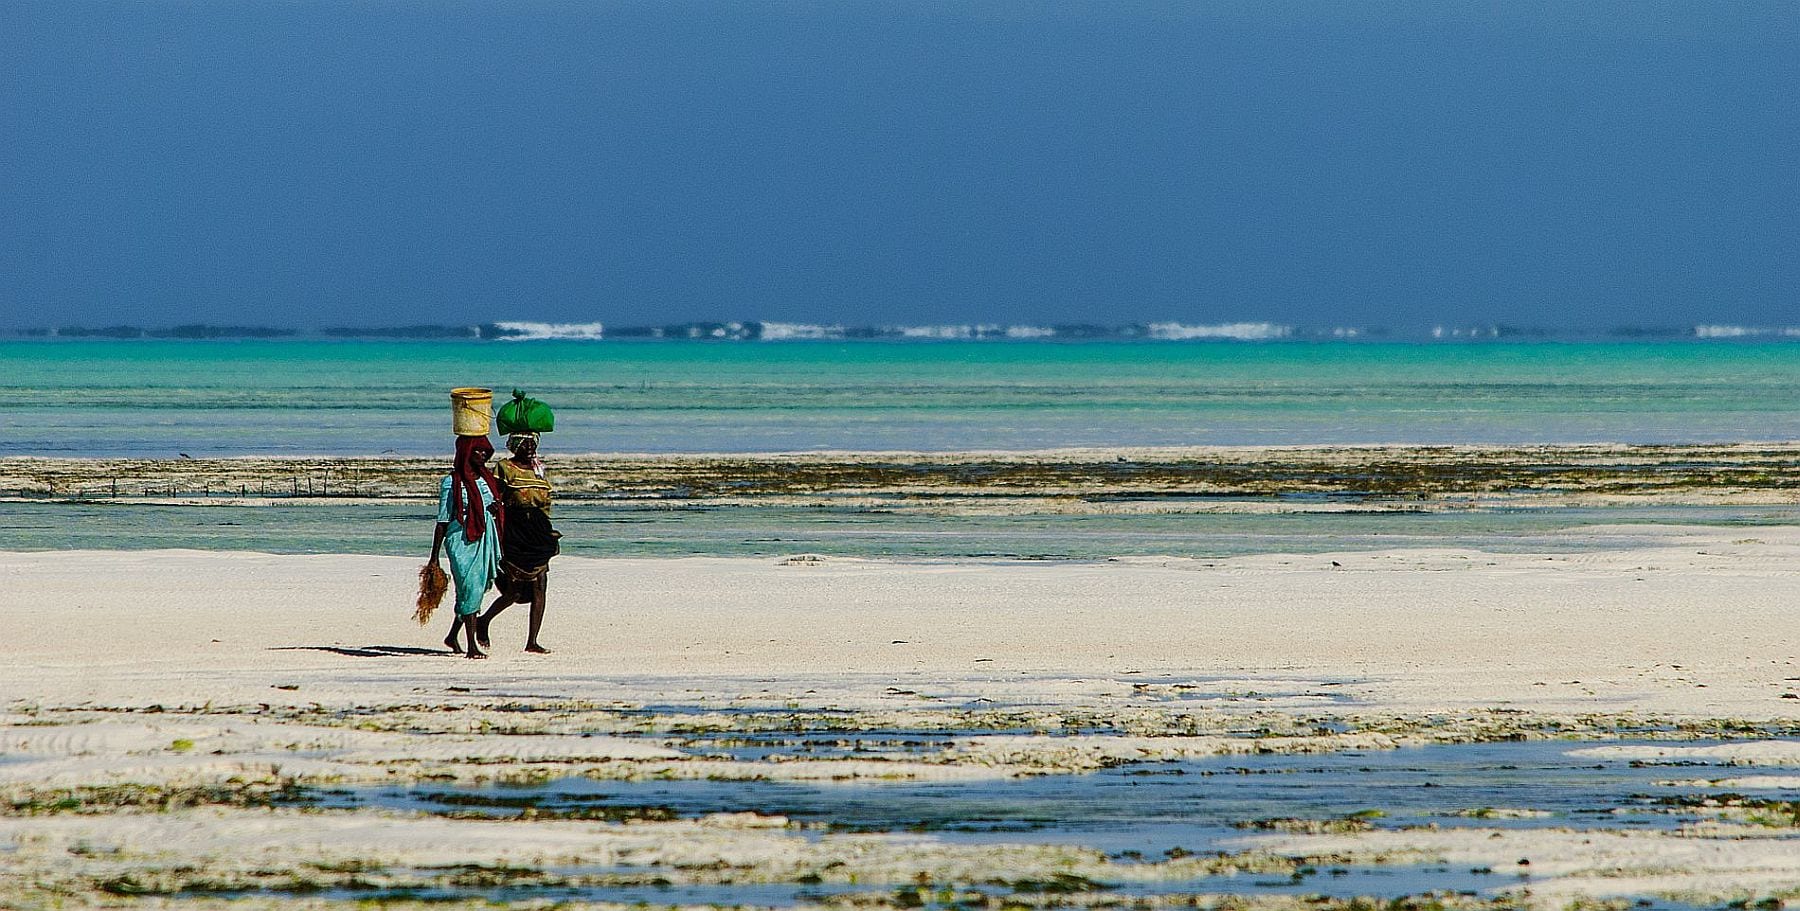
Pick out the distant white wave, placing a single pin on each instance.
(731, 330)
(1241, 331)
(779, 332)
(527, 332)
(945, 332)
(1465, 332)
(1725, 331)
(788, 331)
(1719, 331)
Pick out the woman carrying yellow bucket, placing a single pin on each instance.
(469, 517)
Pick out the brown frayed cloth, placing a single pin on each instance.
(433, 582)
(518, 583)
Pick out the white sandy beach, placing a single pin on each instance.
(182, 669)
(1700, 626)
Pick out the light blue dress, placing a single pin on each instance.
(472, 563)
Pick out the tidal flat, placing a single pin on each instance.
(1556, 679)
(1064, 505)
(1737, 473)
(556, 803)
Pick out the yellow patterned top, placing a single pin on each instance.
(521, 487)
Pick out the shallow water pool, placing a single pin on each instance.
(1144, 810)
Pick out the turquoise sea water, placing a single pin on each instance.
(623, 529)
(156, 398)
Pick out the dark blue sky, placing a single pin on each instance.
(1347, 162)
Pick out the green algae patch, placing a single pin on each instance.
(1767, 812)
(1356, 822)
(103, 799)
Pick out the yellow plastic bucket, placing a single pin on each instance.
(471, 411)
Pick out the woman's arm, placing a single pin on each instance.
(446, 505)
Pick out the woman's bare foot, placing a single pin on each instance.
(537, 649)
(477, 653)
(481, 630)
(451, 643)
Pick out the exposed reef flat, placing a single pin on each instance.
(1416, 475)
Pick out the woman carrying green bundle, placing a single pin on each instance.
(528, 541)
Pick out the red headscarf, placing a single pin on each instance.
(472, 454)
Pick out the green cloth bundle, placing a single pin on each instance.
(525, 415)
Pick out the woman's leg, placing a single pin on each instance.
(537, 613)
(481, 623)
(469, 624)
(456, 624)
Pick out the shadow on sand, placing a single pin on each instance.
(371, 651)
